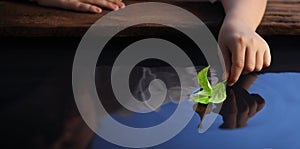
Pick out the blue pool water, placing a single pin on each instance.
(274, 127)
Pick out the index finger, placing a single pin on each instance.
(237, 60)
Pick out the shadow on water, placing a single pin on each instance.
(48, 117)
(38, 108)
(238, 107)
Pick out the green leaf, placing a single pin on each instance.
(203, 100)
(215, 94)
(219, 93)
(201, 97)
(203, 81)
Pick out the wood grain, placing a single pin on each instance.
(24, 19)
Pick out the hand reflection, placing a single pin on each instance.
(236, 109)
(239, 107)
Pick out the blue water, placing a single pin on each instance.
(275, 127)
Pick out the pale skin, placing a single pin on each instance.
(93, 6)
(244, 50)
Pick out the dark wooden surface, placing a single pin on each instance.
(282, 17)
(24, 19)
(31, 20)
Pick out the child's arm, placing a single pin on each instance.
(83, 5)
(243, 49)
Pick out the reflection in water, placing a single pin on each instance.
(139, 81)
(238, 107)
(48, 117)
(38, 110)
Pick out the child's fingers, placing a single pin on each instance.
(259, 60)
(226, 56)
(250, 60)
(112, 6)
(118, 2)
(266, 52)
(237, 60)
(87, 7)
(84, 7)
(105, 4)
(267, 58)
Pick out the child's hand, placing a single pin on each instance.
(83, 5)
(243, 49)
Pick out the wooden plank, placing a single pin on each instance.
(282, 17)
(34, 21)
(24, 19)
